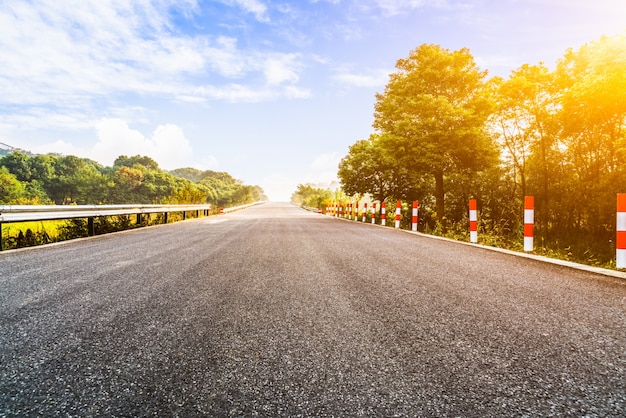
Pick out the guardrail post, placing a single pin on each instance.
(91, 229)
(138, 221)
(165, 217)
(184, 215)
(1, 245)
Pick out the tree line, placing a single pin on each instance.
(55, 179)
(445, 133)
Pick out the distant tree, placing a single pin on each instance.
(192, 174)
(143, 160)
(312, 196)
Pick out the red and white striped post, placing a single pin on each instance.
(620, 242)
(350, 213)
(473, 219)
(383, 213)
(529, 222)
(356, 211)
(398, 210)
(373, 213)
(414, 216)
(364, 212)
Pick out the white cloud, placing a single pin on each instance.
(280, 68)
(255, 7)
(373, 78)
(167, 145)
(72, 53)
(323, 169)
(394, 7)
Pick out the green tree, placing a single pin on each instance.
(11, 189)
(436, 106)
(18, 164)
(592, 117)
(143, 160)
(370, 168)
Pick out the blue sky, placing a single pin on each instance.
(274, 92)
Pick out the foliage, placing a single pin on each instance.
(312, 196)
(46, 179)
(435, 108)
(560, 135)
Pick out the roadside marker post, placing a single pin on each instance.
(529, 222)
(473, 221)
(373, 213)
(364, 212)
(383, 213)
(414, 216)
(620, 243)
(398, 212)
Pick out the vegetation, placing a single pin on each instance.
(446, 133)
(52, 179)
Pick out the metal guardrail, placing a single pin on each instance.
(25, 213)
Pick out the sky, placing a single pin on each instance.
(273, 92)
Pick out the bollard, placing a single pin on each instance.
(398, 211)
(414, 216)
(383, 213)
(473, 220)
(620, 243)
(373, 213)
(364, 212)
(529, 221)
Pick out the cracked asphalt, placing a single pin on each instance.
(274, 311)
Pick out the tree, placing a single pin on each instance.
(18, 164)
(312, 196)
(370, 168)
(11, 189)
(143, 160)
(592, 117)
(436, 106)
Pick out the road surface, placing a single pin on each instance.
(274, 311)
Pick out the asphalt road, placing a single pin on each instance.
(274, 311)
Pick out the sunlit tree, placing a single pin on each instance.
(436, 106)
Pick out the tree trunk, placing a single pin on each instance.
(439, 197)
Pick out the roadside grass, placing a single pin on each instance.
(29, 234)
(26, 234)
